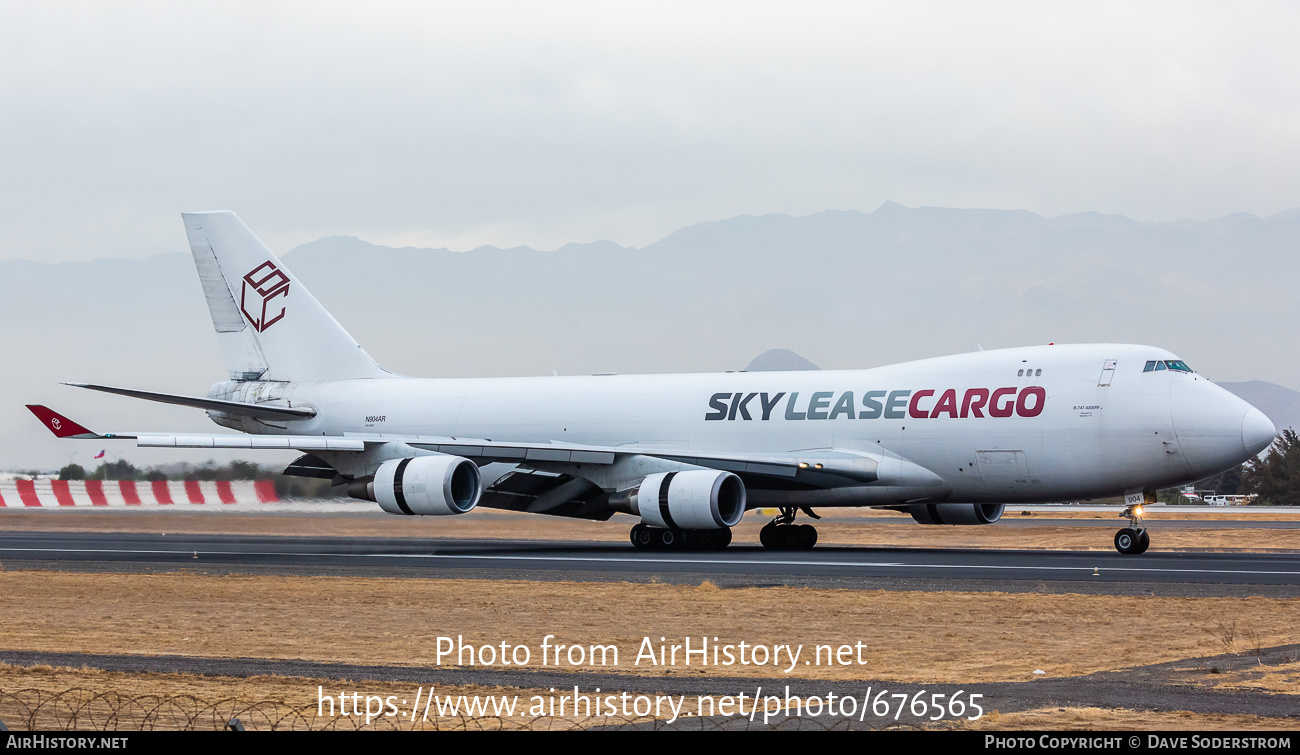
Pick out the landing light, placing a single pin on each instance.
(1137, 511)
(803, 465)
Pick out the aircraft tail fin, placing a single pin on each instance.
(269, 325)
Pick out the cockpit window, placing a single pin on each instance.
(1177, 365)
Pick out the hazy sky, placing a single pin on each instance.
(463, 124)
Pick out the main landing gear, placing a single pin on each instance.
(783, 534)
(659, 538)
(1134, 538)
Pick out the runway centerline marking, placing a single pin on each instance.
(623, 559)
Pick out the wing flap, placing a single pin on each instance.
(857, 467)
(296, 442)
(552, 452)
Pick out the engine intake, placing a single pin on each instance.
(702, 499)
(956, 513)
(428, 485)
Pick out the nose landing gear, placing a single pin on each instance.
(1134, 538)
(783, 534)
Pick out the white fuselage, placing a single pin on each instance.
(1038, 423)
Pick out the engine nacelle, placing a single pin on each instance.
(956, 513)
(702, 499)
(428, 485)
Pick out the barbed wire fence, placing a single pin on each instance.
(83, 709)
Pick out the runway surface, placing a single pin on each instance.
(581, 560)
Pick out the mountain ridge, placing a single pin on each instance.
(844, 289)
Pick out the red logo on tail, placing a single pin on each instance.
(267, 284)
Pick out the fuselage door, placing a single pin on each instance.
(1107, 373)
(1003, 471)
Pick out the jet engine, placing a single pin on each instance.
(956, 513)
(428, 485)
(703, 499)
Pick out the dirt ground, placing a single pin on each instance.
(298, 700)
(261, 702)
(962, 637)
(922, 636)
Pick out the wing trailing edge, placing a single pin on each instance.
(257, 411)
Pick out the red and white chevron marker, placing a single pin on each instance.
(123, 494)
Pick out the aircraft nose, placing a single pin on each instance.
(1257, 431)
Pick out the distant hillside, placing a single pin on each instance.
(779, 360)
(1282, 405)
(850, 289)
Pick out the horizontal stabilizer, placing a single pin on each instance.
(66, 428)
(259, 411)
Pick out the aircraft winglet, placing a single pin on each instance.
(61, 426)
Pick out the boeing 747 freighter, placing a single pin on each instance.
(949, 440)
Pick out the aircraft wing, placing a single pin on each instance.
(62, 427)
(858, 467)
(259, 411)
(835, 467)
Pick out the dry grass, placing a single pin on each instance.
(910, 636)
(1242, 671)
(867, 527)
(1285, 680)
(296, 691)
(304, 694)
(301, 694)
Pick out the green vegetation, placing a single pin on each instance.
(1224, 483)
(1174, 497)
(1276, 477)
(72, 472)
(125, 470)
(285, 487)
